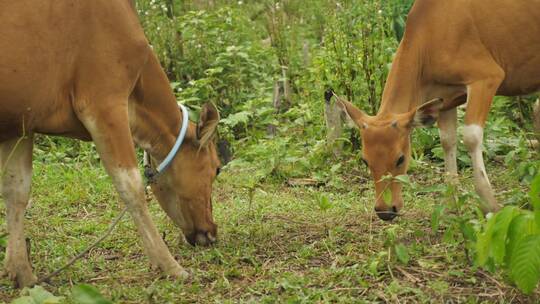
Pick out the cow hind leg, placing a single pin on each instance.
(447, 131)
(480, 95)
(16, 178)
(111, 134)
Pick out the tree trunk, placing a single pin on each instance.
(334, 123)
(278, 93)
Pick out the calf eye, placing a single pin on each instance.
(365, 162)
(400, 160)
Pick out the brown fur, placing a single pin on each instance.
(84, 69)
(460, 50)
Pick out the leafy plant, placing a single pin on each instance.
(510, 239)
(37, 295)
(87, 294)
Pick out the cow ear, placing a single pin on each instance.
(357, 116)
(208, 122)
(427, 114)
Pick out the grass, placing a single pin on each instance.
(284, 245)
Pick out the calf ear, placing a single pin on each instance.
(427, 114)
(353, 113)
(208, 122)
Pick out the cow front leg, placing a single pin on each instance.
(16, 178)
(111, 134)
(479, 99)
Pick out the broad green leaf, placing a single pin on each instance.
(37, 295)
(500, 230)
(86, 294)
(525, 263)
(521, 226)
(24, 300)
(42, 296)
(402, 253)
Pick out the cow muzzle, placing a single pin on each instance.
(387, 215)
(201, 238)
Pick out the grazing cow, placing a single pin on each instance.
(84, 69)
(452, 52)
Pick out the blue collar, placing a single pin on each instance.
(150, 173)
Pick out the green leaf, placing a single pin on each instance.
(525, 263)
(237, 118)
(404, 179)
(534, 195)
(521, 226)
(484, 241)
(500, 230)
(42, 296)
(436, 216)
(467, 230)
(402, 253)
(86, 294)
(3, 241)
(387, 196)
(37, 295)
(324, 202)
(24, 300)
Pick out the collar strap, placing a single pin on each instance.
(151, 173)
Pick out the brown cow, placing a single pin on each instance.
(452, 52)
(84, 69)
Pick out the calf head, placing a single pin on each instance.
(386, 148)
(184, 189)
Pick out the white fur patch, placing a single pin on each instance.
(472, 137)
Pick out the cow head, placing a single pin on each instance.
(386, 150)
(184, 189)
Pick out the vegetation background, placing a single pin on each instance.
(294, 204)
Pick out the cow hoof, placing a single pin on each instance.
(22, 279)
(178, 273)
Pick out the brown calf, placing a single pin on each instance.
(84, 69)
(453, 52)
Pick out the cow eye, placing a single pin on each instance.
(218, 171)
(365, 162)
(400, 160)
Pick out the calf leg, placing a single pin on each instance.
(111, 134)
(447, 131)
(480, 95)
(16, 178)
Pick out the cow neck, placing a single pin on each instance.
(403, 89)
(157, 120)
